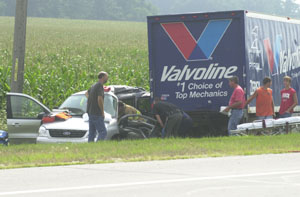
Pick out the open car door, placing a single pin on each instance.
(24, 116)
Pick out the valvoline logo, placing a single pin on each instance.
(202, 48)
(273, 56)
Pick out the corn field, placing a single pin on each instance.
(64, 56)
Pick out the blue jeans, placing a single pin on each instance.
(285, 115)
(96, 124)
(234, 120)
(264, 117)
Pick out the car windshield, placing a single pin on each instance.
(77, 105)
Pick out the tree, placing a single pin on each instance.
(135, 10)
(2, 8)
(290, 8)
(9, 7)
(274, 7)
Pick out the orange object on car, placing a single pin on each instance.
(48, 119)
(63, 116)
(59, 116)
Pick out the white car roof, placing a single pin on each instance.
(83, 93)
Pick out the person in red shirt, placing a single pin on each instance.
(289, 99)
(236, 104)
(264, 100)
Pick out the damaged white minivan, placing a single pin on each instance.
(25, 115)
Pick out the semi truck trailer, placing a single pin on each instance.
(192, 56)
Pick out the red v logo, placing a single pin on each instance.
(203, 48)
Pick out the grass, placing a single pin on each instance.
(144, 150)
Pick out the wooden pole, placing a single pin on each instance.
(17, 77)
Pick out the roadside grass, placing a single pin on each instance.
(16, 156)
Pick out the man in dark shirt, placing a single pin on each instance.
(95, 109)
(169, 117)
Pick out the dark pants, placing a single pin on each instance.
(186, 125)
(173, 125)
(96, 124)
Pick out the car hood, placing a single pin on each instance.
(74, 123)
(71, 124)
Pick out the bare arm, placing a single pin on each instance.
(87, 94)
(235, 105)
(273, 107)
(101, 104)
(159, 121)
(251, 98)
(295, 98)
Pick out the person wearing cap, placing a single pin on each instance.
(124, 109)
(236, 104)
(95, 109)
(289, 99)
(264, 100)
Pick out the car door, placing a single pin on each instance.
(24, 115)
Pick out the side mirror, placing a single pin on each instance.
(41, 115)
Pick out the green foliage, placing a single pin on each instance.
(275, 7)
(5, 72)
(2, 7)
(65, 56)
(16, 156)
(133, 10)
(3, 125)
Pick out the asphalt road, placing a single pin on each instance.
(265, 175)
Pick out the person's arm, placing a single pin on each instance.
(273, 107)
(237, 103)
(233, 106)
(87, 93)
(295, 98)
(159, 121)
(251, 98)
(101, 104)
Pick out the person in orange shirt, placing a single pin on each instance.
(264, 100)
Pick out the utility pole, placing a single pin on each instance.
(17, 74)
